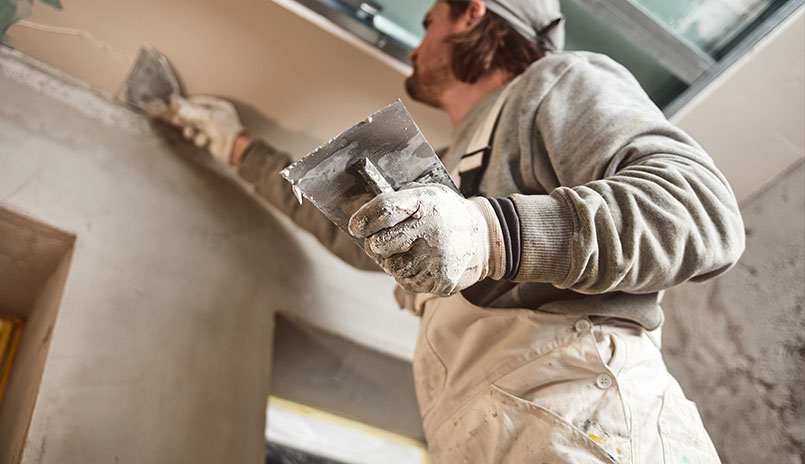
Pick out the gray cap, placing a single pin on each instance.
(539, 21)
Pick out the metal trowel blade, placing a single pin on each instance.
(151, 83)
(389, 141)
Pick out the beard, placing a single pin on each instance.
(428, 86)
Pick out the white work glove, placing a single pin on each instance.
(209, 121)
(430, 239)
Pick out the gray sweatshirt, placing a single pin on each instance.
(615, 203)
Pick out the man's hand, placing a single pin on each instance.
(430, 239)
(210, 122)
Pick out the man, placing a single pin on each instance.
(539, 293)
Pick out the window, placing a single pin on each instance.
(673, 48)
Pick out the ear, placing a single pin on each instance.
(475, 12)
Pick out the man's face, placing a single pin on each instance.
(432, 59)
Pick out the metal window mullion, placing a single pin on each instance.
(746, 44)
(676, 54)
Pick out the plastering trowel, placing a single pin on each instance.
(151, 84)
(382, 153)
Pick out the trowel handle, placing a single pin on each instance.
(375, 181)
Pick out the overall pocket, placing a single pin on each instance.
(684, 439)
(497, 427)
(575, 383)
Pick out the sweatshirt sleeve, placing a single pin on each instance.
(260, 166)
(638, 207)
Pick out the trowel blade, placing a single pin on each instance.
(390, 140)
(151, 83)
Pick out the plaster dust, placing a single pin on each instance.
(297, 193)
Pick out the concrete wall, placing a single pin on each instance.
(737, 343)
(161, 350)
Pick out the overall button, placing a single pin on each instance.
(583, 325)
(603, 381)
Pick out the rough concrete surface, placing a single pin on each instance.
(161, 350)
(737, 343)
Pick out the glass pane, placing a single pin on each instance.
(402, 20)
(587, 32)
(715, 26)
(709, 24)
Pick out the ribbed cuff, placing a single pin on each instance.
(547, 229)
(497, 253)
(250, 166)
(512, 241)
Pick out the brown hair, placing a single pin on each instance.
(489, 45)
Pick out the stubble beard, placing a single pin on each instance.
(428, 87)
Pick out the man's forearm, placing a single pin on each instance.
(260, 164)
(239, 148)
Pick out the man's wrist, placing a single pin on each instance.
(497, 253)
(509, 221)
(239, 148)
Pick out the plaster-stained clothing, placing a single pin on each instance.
(519, 386)
(615, 203)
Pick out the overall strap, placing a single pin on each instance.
(470, 179)
(473, 164)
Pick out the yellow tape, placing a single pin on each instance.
(9, 362)
(5, 336)
(341, 421)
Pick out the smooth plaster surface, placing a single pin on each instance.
(162, 348)
(751, 120)
(314, 81)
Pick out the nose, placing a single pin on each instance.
(412, 55)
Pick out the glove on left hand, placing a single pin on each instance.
(430, 239)
(209, 121)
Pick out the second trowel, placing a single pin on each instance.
(384, 152)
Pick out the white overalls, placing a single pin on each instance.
(524, 386)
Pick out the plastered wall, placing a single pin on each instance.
(751, 118)
(305, 75)
(162, 345)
